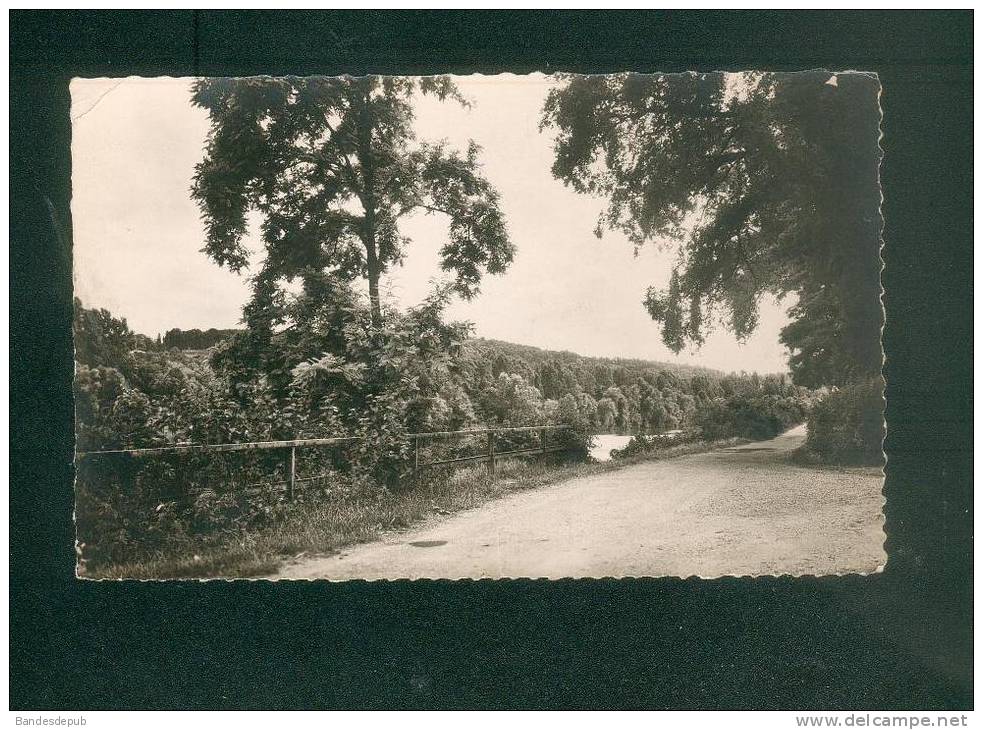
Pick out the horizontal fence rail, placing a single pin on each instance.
(217, 448)
(291, 482)
(299, 443)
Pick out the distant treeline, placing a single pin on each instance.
(169, 396)
(536, 356)
(623, 395)
(103, 339)
(196, 339)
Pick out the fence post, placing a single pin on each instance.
(542, 436)
(416, 457)
(491, 453)
(292, 473)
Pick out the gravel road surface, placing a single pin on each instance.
(737, 511)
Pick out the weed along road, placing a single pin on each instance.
(746, 510)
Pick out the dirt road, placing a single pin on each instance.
(738, 511)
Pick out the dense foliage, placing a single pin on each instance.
(847, 425)
(755, 413)
(328, 376)
(758, 417)
(644, 444)
(195, 339)
(103, 340)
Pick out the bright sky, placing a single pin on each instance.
(138, 234)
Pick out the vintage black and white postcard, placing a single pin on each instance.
(503, 326)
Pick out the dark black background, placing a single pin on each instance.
(902, 639)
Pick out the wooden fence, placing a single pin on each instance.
(490, 454)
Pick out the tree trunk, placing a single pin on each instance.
(369, 204)
(373, 266)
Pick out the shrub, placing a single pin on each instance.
(756, 417)
(847, 426)
(654, 443)
(573, 412)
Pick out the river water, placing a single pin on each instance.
(605, 442)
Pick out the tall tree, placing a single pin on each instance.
(102, 340)
(768, 183)
(332, 165)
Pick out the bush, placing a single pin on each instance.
(577, 439)
(654, 443)
(756, 417)
(847, 426)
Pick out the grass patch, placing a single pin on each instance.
(325, 525)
